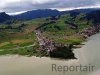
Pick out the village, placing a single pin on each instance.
(49, 45)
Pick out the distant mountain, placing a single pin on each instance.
(88, 10)
(37, 14)
(78, 11)
(91, 14)
(48, 12)
(4, 17)
(94, 15)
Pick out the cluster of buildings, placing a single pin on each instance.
(47, 44)
(86, 32)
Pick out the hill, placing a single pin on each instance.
(4, 17)
(48, 12)
(64, 28)
(37, 14)
(43, 13)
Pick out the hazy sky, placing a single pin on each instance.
(17, 6)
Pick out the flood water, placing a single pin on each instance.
(20, 65)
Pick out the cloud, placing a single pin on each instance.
(13, 6)
(42, 1)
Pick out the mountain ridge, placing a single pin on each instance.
(41, 13)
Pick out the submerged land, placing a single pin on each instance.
(53, 36)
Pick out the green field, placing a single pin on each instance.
(17, 37)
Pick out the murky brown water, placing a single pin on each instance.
(19, 65)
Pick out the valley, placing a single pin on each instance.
(62, 32)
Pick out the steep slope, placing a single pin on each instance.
(94, 16)
(4, 17)
(37, 14)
